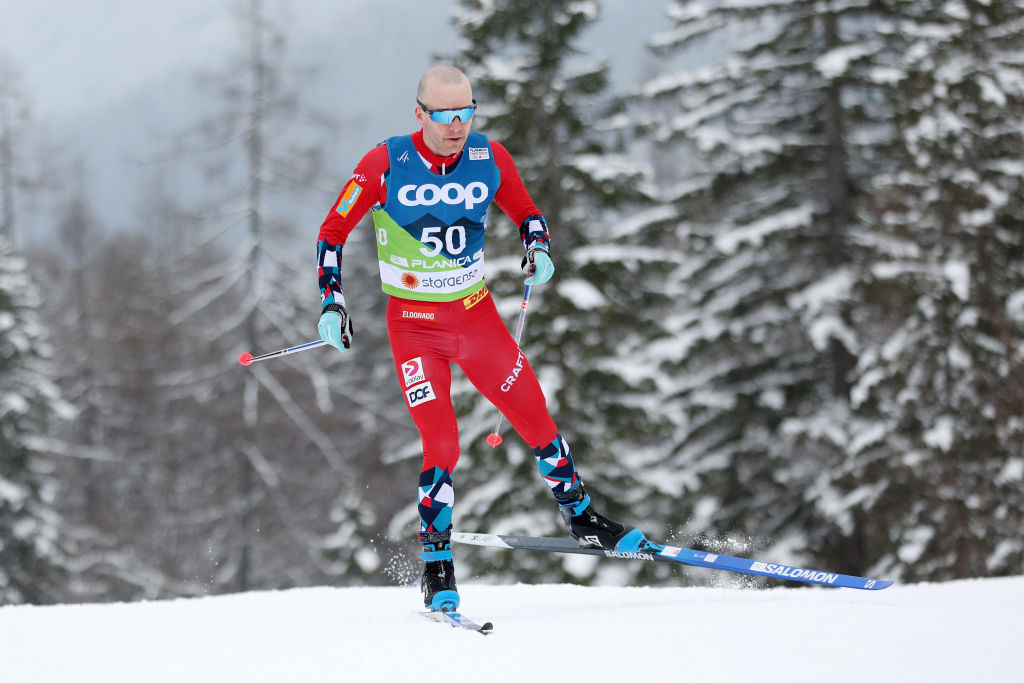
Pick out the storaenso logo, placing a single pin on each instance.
(450, 193)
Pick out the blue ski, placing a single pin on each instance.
(668, 553)
(457, 620)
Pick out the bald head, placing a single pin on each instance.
(441, 76)
(444, 87)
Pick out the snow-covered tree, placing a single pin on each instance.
(937, 390)
(852, 219)
(32, 564)
(777, 138)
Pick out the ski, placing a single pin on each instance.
(457, 620)
(672, 554)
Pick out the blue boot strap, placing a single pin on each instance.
(445, 601)
(435, 555)
(577, 508)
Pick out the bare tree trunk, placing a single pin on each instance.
(839, 202)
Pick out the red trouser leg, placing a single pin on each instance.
(426, 337)
(499, 370)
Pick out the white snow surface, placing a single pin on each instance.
(956, 631)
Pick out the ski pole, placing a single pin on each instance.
(494, 438)
(248, 359)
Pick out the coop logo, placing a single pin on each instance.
(421, 393)
(413, 372)
(450, 193)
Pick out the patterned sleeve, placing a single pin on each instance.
(534, 233)
(328, 257)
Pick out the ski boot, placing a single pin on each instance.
(438, 580)
(591, 529)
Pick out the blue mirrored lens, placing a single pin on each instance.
(446, 116)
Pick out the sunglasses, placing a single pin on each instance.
(446, 116)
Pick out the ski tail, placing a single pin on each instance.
(458, 620)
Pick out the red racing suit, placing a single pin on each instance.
(429, 330)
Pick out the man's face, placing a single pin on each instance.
(445, 139)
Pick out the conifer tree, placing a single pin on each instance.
(33, 567)
(853, 239)
(937, 390)
(777, 137)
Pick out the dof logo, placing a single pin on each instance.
(421, 393)
(450, 193)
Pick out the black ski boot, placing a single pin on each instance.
(438, 580)
(591, 529)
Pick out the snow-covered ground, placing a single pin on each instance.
(958, 631)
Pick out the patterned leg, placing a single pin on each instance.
(554, 460)
(589, 527)
(436, 497)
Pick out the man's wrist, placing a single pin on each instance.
(334, 306)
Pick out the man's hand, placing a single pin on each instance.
(537, 264)
(335, 327)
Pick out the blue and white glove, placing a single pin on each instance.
(335, 327)
(537, 264)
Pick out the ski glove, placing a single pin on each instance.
(335, 327)
(538, 265)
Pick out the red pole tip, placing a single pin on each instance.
(245, 358)
(494, 439)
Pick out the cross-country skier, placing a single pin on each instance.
(429, 193)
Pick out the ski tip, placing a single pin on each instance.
(487, 627)
(245, 359)
(494, 439)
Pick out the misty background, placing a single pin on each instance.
(112, 82)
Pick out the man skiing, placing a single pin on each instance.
(429, 193)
